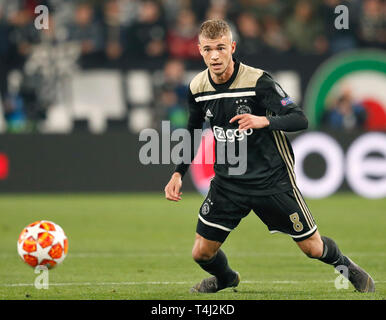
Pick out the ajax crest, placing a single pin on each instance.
(242, 108)
(205, 208)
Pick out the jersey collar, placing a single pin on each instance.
(225, 85)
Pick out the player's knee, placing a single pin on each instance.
(312, 248)
(202, 254)
(314, 252)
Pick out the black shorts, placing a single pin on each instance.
(284, 212)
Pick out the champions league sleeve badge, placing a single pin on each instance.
(286, 101)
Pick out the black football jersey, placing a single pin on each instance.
(269, 157)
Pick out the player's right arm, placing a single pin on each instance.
(196, 118)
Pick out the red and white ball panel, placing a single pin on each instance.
(42, 243)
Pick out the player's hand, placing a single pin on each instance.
(172, 189)
(249, 121)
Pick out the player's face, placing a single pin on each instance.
(217, 53)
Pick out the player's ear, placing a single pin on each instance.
(233, 47)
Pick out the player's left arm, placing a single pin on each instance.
(283, 113)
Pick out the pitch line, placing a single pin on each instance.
(137, 283)
(88, 255)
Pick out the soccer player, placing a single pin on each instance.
(245, 102)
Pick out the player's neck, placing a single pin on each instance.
(225, 76)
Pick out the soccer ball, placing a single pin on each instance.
(42, 243)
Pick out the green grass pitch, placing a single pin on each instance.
(138, 246)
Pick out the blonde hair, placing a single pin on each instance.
(214, 29)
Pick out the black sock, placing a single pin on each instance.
(218, 266)
(331, 253)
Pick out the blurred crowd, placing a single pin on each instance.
(140, 29)
(124, 34)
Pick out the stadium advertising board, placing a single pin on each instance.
(325, 163)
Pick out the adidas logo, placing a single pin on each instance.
(209, 114)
